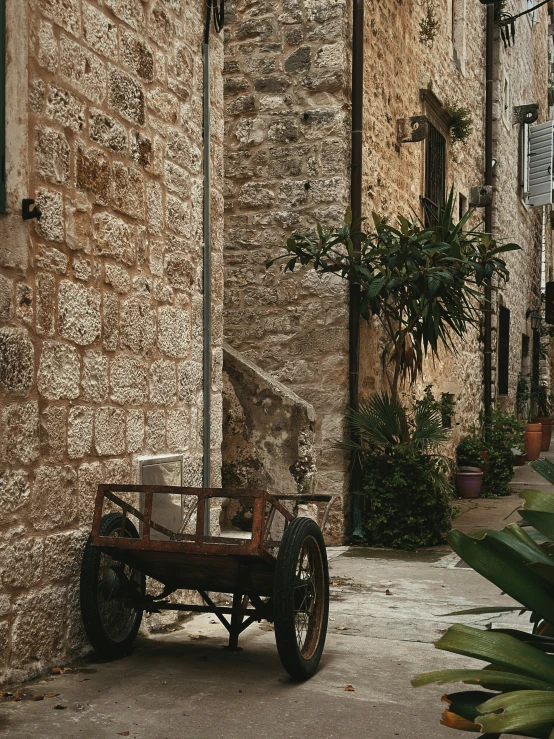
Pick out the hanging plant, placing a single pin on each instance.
(461, 124)
(429, 24)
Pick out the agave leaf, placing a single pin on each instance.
(499, 649)
(503, 567)
(453, 721)
(486, 609)
(545, 468)
(545, 571)
(544, 643)
(466, 703)
(491, 679)
(540, 520)
(521, 710)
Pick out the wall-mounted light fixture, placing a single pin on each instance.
(536, 320)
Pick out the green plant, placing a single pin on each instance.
(404, 475)
(445, 406)
(504, 435)
(429, 24)
(523, 395)
(461, 122)
(544, 401)
(468, 451)
(423, 283)
(518, 679)
(447, 409)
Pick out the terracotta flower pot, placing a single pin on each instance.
(469, 481)
(546, 424)
(533, 441)
(485, 455)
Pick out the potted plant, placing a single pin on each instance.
(544, 408)
(526, 404)
(471, 460)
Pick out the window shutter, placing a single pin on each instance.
(503, 350)
(541, 152)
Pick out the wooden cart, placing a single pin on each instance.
(277, 571)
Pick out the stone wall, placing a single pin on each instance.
(101, 300)
(287, 146)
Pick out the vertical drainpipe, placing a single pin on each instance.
(489, 92)
(356, 206)
(207, 282)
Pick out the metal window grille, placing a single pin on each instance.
(435, 173)
(503, 350)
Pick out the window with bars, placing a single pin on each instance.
(435, 174)
(503, 350)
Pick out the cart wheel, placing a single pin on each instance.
(111, 626)
(301, 598)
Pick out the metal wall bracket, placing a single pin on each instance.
(27, 213)
(410, 130)
(479, 197)
(526, 113)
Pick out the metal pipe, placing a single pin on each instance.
(489, 100)
(207, 286)
(356, 207)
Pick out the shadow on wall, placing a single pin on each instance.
(268, 432)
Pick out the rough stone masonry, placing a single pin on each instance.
(101, 300)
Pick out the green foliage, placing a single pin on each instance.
(505, 433)
(543, 401)
(519, 674)
(523, 396)
(461, 123)
(422, 283)
(405, 476)
(429, 24)
(468, 451)
(445, 406)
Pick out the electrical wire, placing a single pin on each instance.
(529, 10)
(217, 9)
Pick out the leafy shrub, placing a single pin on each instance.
(505, 433)
(405, 478)
(468, 451)
(461, 124)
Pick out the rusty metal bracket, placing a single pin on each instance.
(411, 130)
(526, 114)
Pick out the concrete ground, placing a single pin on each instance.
(387, 609)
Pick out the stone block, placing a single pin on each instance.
(117, 277)
(79, 431)
(6, 298)
(135, 431)
(83, 70)
(14, 492)
(255, 195)
(141, 149)
(82, 269)
(178, 215)
(298, 61)
(130, 11)
(51, 259)
(190, 381)
(78, 224)
(47, 53)
(110, 321)
(62, 555)
(184, 152)
(52, 155)
(59, 371)
(94, 383)
(136, 55)
(109, 431)
(21, 563)
(163, 105)
(126, 96)
(174, 331)
(137, 326)
(179, 271)
(89, 476)
(156, 257)
(177, 179)
(107, 131)
(128, 381)
(155, 207)
(51, 224)
(283, 131)
(64, 13)
(163, 383)
(24, 302)
(99, 31)
(37, 95)
(155, 431)
(78, 312)
(128, 190)
(117, 471)
(53, 497)
(46, 303)
(114, 238)
(178, 430)
(65, 107)
(93, 173)
(38, 612)
(52, 430)
(20, 432)
(17, 360)
(160, 26)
